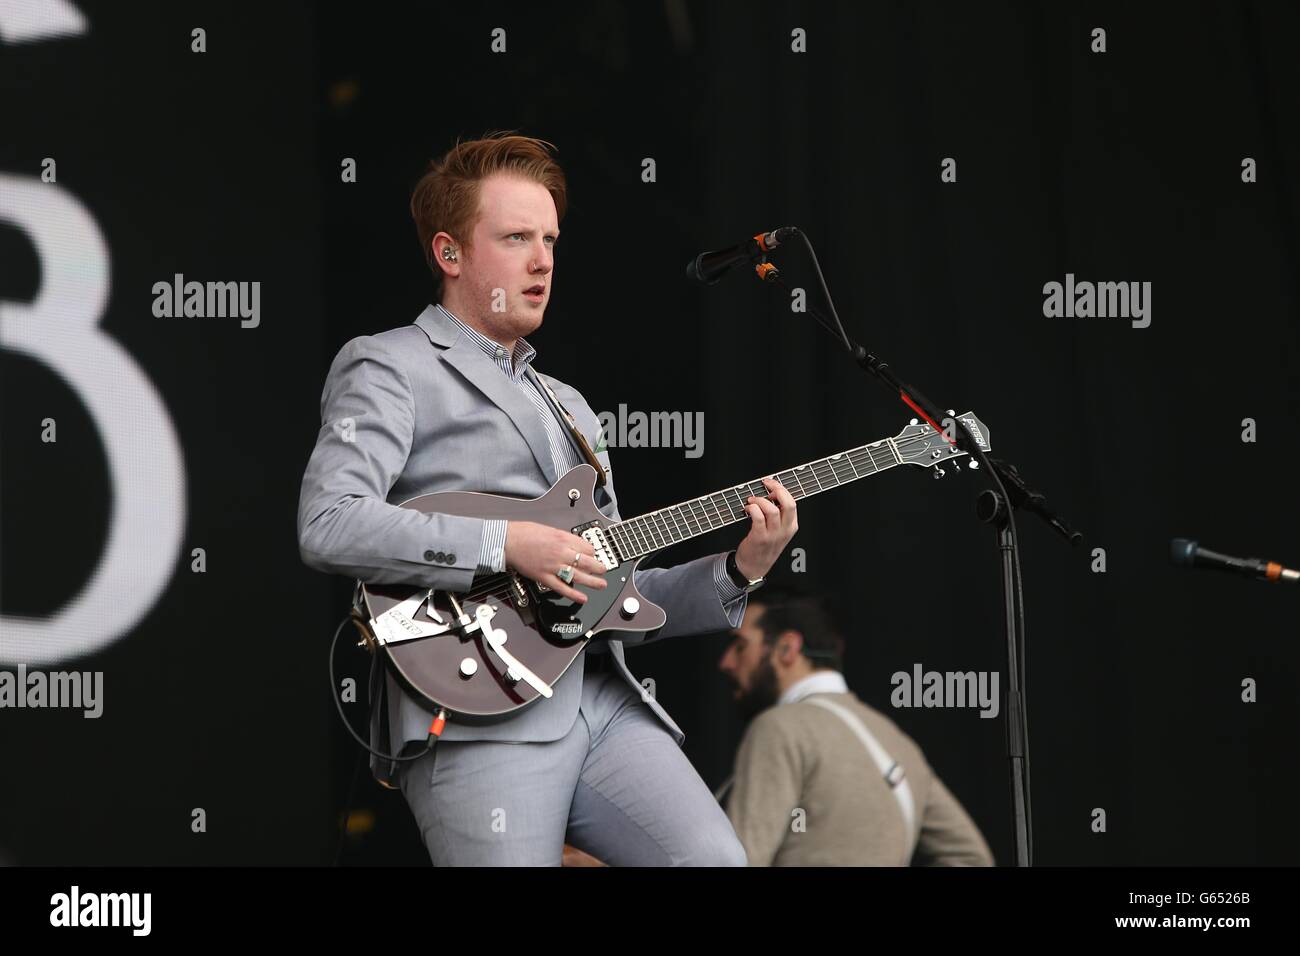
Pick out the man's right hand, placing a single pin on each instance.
(538, 552)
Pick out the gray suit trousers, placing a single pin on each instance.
(617, 785)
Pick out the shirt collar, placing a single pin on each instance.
(523, 355)
(818, 682)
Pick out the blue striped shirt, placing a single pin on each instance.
(563, 457)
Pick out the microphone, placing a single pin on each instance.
(1189, 554)
(709, 267)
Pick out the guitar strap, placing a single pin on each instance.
(890, 769)
(576, 436)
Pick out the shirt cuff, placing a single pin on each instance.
(492, 553)
(733, 598)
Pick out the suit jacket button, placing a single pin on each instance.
(429, 556)
(440, 557)
(451, 558)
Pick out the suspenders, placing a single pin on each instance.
(890, 769)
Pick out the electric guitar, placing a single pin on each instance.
(500, 646)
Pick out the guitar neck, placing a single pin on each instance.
(647, 533)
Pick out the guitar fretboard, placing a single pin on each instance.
(650, 532)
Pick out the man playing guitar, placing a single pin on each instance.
(451, 403)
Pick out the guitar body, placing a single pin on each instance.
(458, 669)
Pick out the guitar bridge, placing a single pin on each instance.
(520, 592)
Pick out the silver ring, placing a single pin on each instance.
(565, 574)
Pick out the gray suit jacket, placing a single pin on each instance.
(421, 409)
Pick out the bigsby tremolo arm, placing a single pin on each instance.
(496, 639)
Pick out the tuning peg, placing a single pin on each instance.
(939, 473)
(973, 465)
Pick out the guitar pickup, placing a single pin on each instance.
(595, 536)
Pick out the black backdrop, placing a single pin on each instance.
(1115, 166)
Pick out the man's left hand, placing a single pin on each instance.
(773, 522)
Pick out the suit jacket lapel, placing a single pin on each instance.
(481, 372)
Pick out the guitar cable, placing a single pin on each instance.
(430, 744)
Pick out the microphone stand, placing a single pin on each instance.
(995, 507)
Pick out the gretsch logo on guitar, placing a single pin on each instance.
(491, 651)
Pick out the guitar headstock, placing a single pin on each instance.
(920, 444)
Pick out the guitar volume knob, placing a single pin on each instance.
(631, 606)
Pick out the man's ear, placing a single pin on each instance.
(448, 254)
(790, 646)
